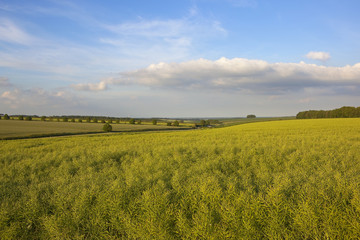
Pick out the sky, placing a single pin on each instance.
(188, 58)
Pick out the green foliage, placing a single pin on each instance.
(80, 120)
(88, 119)
(175, 123)
(168, 124)
(251, 116)
(274, 180)
(65, 119)
(117, 121)
(21, 117)
(6, 117)
(102, 120)
(109, 121)
(139, 121)
(203, 123)
(132, 121)
(344, 112)
(95, 120)
(72, 120)
(43, 118)
(107, 127)
(154, 121)
(28, 118)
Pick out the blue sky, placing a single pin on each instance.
(196, 58)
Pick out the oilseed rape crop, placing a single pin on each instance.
(295, 179)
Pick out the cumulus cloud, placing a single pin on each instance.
(90, 86)
(237, 74)
(37, 97)
(322, 56)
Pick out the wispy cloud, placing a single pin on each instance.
(239, 74)
(243, 3)
(173, 38)
(11, 33)
(322, 56)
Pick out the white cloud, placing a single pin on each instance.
(90, 86)
(19, 98)
(173, 38)
(238, 74)
(11, 33)
(322, 56)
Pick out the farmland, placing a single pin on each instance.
(294, 179)
(19, 129)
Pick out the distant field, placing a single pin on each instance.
(16, 128)
(237, 121)
(297, 179)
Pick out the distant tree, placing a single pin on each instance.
(176, 123)
(343, 112)
(21, 117)
(95, 120)
(88, 119)
(132, 121)
(51, 119)
(139, 121)
(58, 119)
(107, 127)
(109, 121)
(154, 121)
(6, 117)
(80, 120)
(207, 123)
(202, 123)
(102, 120)
(43, 118)
(251, 116)
(72, 120)
(117, 121)
(28, 118)
(168, 124)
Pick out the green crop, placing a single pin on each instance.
(296, 179)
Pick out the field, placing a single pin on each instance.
(18, 129)
(227, 122)
(295, 179)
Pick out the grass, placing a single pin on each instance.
(10, 129)
(297, 179)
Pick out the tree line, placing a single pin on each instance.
(343, 112)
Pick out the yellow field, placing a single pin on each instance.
(296, 179)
